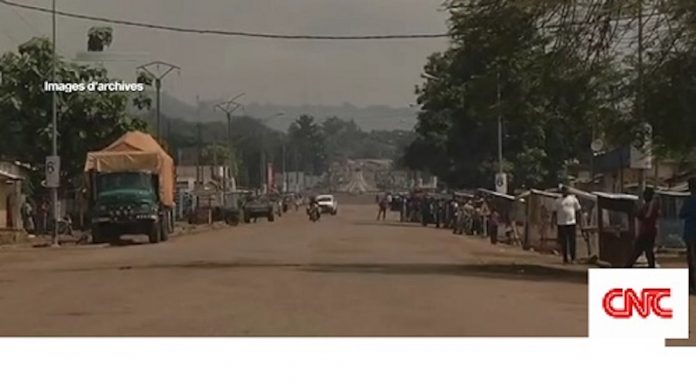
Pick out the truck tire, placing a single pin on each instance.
(155, 232)
(247, 218)
(164, 226)
(98, 235)
(271, 217)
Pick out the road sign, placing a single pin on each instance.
(501, 183)
(641, 150)
(52, 171)
(597, 145)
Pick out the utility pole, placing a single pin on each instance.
(54, 132)
(640, 95)
(158, 70)
(285, 175)
(199, 170)
(228, 107)
(264, 165)
(500, 126)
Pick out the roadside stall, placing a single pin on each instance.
(540, 232)
(508, 207)
(669, 226)
(616, 227)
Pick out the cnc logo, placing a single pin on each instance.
(638, 303)
(624, 303)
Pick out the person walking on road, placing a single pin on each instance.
(493, 224)
(688, 214)
(647, 230)
(382, 212)
(28, 217)
(485, 216)
(567, 209)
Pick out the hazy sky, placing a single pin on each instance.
(288, 72)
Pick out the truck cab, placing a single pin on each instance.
(128, 203)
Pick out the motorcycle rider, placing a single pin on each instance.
(313, 207)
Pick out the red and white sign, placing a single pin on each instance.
(639, 303)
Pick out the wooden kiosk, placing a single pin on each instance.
(616, 226)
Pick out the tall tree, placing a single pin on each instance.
(307, 138)
(86, 120)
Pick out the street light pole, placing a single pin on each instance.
(228, 107)
(158, 74)
(264, 166)
(54, 131)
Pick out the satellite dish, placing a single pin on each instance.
(597, 145)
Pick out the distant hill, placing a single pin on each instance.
(376, 117)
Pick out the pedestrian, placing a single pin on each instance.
(42, 224)
(478, 221)
(647, 230)
(28, 217)
(688, 214)
(493, 224)
(382, 212)
(485, 216)
(469, 211)
(566, 211)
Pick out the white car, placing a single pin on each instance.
(327, 203)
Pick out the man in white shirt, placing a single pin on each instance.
(566, 211)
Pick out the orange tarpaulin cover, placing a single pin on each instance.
(137, 151)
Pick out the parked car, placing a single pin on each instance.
(327, 203)
(259, 207)
(232, 211)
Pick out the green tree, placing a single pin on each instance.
(86, 120)
(308, 140)
(551, 91)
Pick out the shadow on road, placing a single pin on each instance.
(529, 272)
(394, 224)
(499, 271)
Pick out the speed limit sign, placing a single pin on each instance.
(52, 171)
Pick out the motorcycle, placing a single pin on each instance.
(313, 213)
(64, 226)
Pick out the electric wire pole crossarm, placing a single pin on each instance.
(154, 69)
(228, 107)
(263, 164)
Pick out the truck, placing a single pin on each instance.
(131, 189)
(259, 207)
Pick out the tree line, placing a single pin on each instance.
(90, 121)
(559, 74)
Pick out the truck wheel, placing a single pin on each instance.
(247, 218)
(271, 217)
(97, 235)
(164, 226)
(334, 212)
(155, 231)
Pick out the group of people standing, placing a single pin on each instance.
(35, 218)
(567, 214)
(473, 216)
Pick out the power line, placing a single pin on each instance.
(26, 22)
(227, 33)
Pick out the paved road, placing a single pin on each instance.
(346, 275)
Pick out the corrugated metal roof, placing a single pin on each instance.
(617, 196)
(496, 194)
